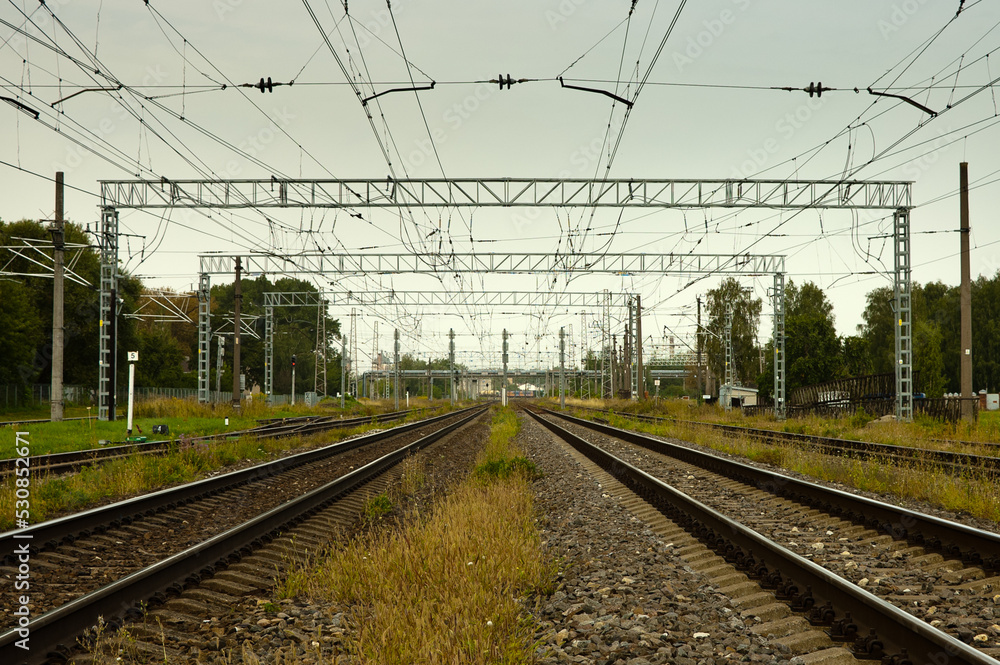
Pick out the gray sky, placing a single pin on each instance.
(700, 115)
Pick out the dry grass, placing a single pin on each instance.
(113, 480)
(445, 587)
(972, 494)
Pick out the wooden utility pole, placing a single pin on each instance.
(965, 297)
(58, 296)
(237, 299)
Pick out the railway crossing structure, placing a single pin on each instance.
(353, 194)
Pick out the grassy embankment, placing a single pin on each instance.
(969, 493)
(444, 587)
(113, 480)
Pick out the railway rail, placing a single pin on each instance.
(952, 462)
(944, 562)
(271, 428)
(53, 633)
(872, 626)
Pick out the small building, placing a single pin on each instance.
(737, 396)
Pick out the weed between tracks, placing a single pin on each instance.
(444, 587)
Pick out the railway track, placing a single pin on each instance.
(104, 562)
(950, 462)
(269, 428)
(925, 586)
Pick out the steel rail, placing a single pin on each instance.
(54, 532)
(272, 428)
(898, 636)
(959, 462)
(973, 546)
(117, 599)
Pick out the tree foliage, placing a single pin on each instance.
(746, 320)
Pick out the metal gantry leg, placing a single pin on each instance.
(204, 335)
(904, 321)
(778, 298)
(269, 353)
(728, 399)
(109, 289)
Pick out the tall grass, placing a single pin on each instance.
(445, 587)
(116, 479)
(968, 493)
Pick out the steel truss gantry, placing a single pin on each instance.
(706, 264)
(505, 193)
(510, 193)
(274, 299)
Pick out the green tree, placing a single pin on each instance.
(813, 352)
(746, 319)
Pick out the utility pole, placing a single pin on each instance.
(293, 379)
(503, 387)
(58, 242)
(729, 357)
(395, 366)
(638, 348)
(220, 352)
(343, 369)
(451, 364)
(237, 298)
(697, 369)
(562, 368)
(965, 296)
(319, 368)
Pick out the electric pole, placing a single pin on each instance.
(638, 348)
(451, 364)
(697, 369)
(395, 366)
(729, 357)
(237, 298)
(58, 243)
(503, 387)
(562, 368)
(218, 365)
(965, 297)
(343, 369)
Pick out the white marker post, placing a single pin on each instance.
(133, 358)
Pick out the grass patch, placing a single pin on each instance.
(116, 479)
(376, 506)
(969, 493)
(444, 588)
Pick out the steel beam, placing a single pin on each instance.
(441, 298)
(509, 263)
(505, 193)
(778, 299)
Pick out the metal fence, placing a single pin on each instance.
(20, 397)
(948, 409)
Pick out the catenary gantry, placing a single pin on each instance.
(617, 193)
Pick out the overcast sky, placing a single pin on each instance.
(705, 112)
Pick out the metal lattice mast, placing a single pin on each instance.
(904, 331)
(562, 367)
(204, 336)
(373, 390)
(607, 382)
(109, 291)
(268, 352)
(503, 387)
(779, 345)
(353, 380)
(584, 352)
(451, 364)
(319, 371)
(395, 365)
(728, 340)
(343, 369)
(220, 352)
